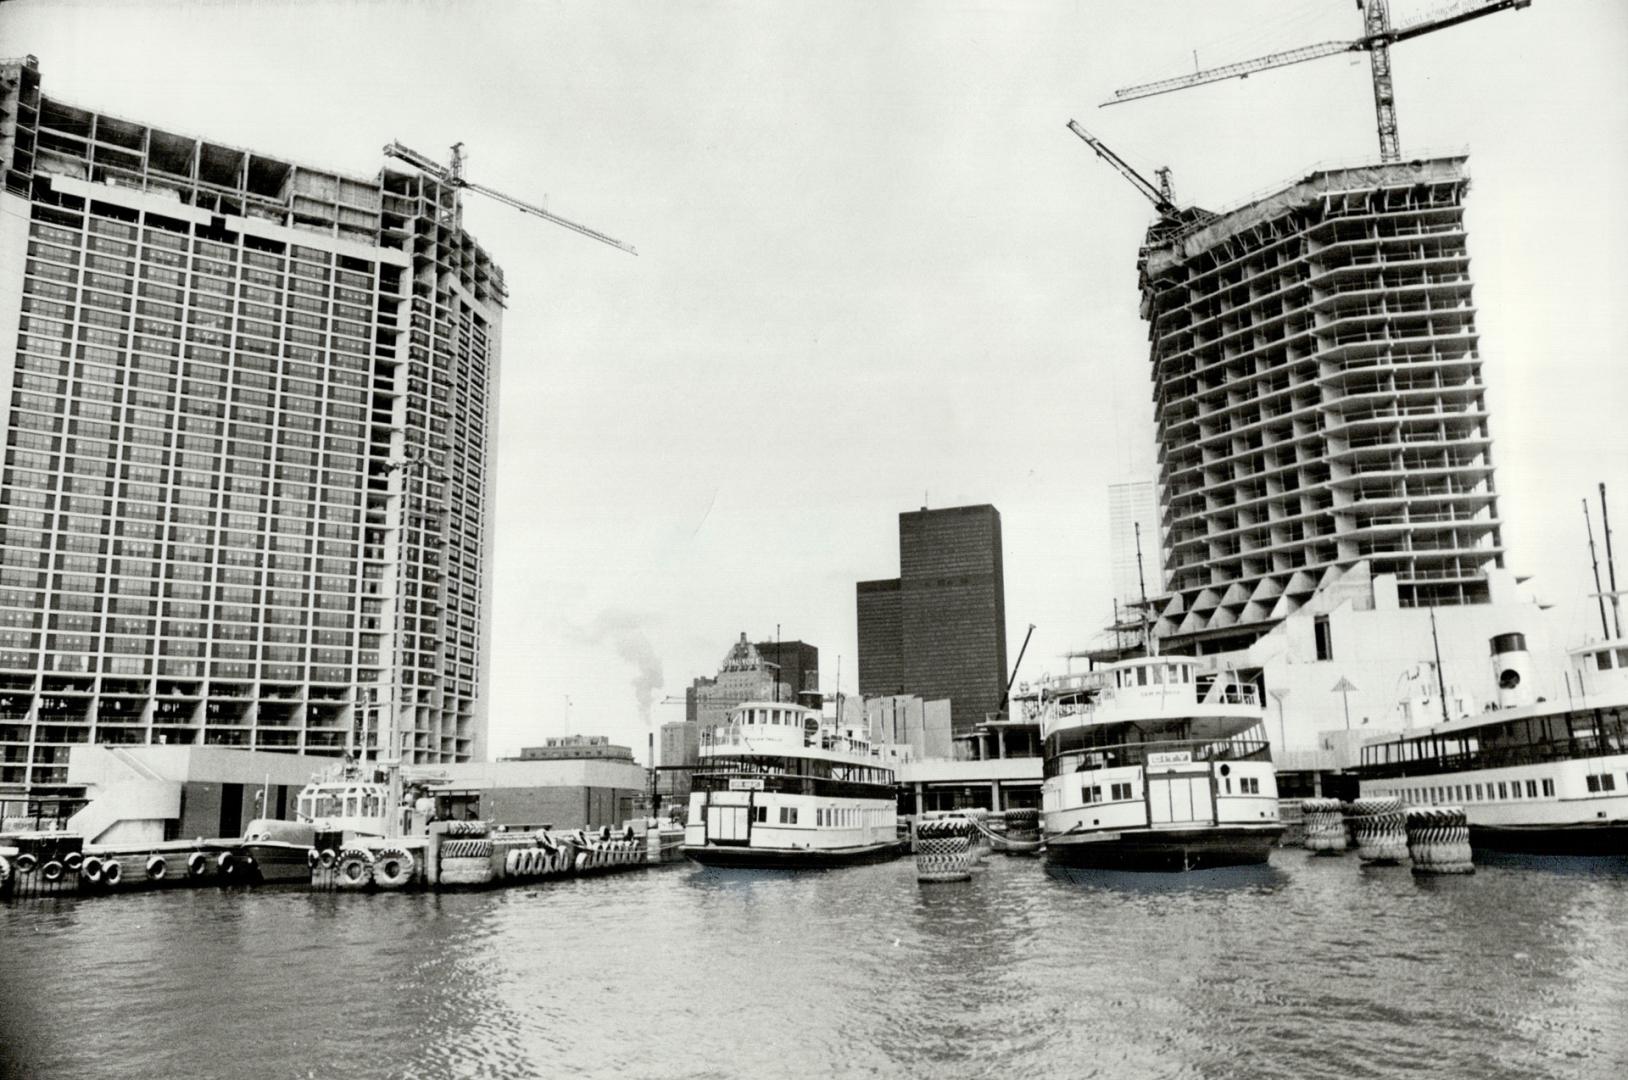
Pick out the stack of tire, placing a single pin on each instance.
(1325, 826)
(1439, 840)
(545, 858)
(1381, 827)
(1023, 824)
(467, 859)
(944, 850)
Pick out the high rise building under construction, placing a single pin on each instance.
(1319, 401)
(246, 498)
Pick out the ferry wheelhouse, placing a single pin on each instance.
(1154, 764)
(1542, 777)
(778, 785)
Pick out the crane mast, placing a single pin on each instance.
(453, 176)
(1378, 37)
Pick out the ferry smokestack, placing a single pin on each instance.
(1512, 665)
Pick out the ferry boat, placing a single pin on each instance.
(1538, 777)
(778, 785)
(1154, 763)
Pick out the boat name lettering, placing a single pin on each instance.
(738, 784)
(1170, 757)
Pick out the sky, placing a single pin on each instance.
(875, 272)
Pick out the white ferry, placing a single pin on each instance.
(1540, 777)
(779, 786)
(1154, 764)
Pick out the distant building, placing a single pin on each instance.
(680, 750)
(742, 676)
(1131, 505)
(904, 720)
(596, 747)
(797, 666)
(939, 629)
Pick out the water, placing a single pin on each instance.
(1306, 968)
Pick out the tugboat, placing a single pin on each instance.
(778, 785)
(1154, 763)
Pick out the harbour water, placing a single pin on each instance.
(1308, 967)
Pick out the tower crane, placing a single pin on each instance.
(453, 176)
(1161, 196)
(1377, 38)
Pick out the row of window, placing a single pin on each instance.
(1499, 791)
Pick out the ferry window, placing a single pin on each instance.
(1478, 791)
(1549, 788)
(1502, 793)
(1141, 676)
(1251, 785)
(1622, 658)
(1608, 782)
(1122, 791)
(1158, 675)
(1090, 794)
(1593, 782)
(1323, 637)
(1531, 789)
(1603, 659)
(1515, 790)
(1227, 784)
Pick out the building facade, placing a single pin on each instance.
(247, 490)
(796, 664)
(948, 606)
(1319, 401)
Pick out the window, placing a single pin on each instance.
(1531, 789)
(1091, 793)
(1548, 789)
(1502, 792)
(1608, 782)
(1121, 792)
(760, 813)
(1323, 637)
(1478, 792)
(1247, 785)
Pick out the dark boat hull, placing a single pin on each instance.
(751, 858)
(1605, 838)
(1164, 850)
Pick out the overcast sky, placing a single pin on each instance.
(875, 271)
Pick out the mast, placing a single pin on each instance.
(1610, 565)
(1594, 561)
(1151, 646)
(1441, 682)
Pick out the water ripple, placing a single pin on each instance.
(1306, 968)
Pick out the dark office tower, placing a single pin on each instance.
(798, 664)
(939, 629)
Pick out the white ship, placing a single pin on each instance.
(1542, 777)
(778, 785)
(1154, 763)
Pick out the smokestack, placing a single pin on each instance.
(1512, 665)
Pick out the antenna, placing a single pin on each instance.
(1610, 565)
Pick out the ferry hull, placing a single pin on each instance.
(752, 858)
(1167, 850)
(1604, 838)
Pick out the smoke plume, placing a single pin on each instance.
(620, 630)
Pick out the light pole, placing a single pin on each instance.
(1283, 731)
(1344, 688)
